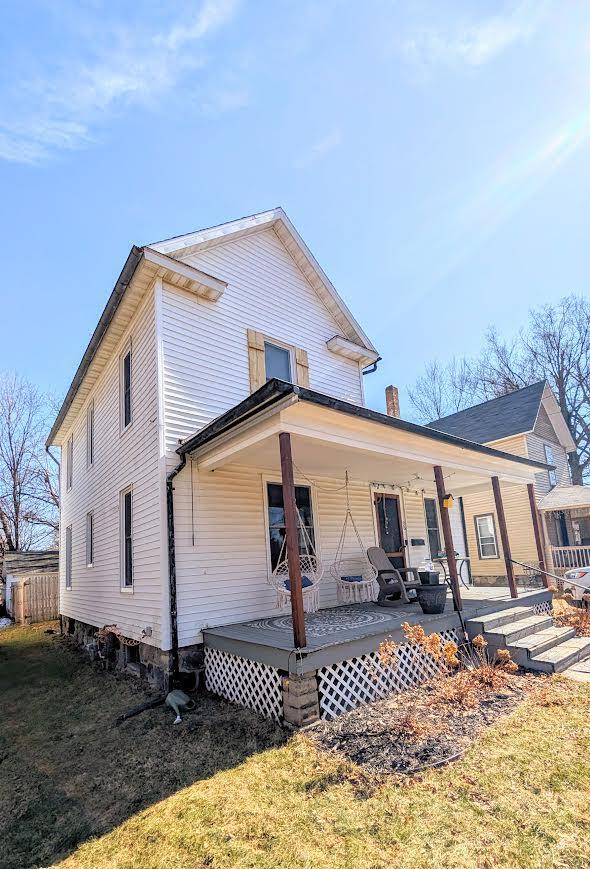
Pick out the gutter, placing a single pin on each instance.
(173, 678)
(275, 390)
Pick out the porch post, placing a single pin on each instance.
(448, 537)
(537, 530)
(504, 536)
(292, 536)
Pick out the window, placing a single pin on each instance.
(90, 434)
(276, 520)
(126, 416)
(277, 362)
(550, 461)
(432, 526)
(70, 462)
(127, 539)
(69, 557)
(485, 531)
(89, 539)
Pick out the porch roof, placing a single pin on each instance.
(330, 434)
(565, 498)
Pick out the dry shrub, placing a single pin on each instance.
(567, 616)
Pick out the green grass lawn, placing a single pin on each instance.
(226, 788)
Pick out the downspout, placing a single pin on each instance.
(370, 369)
(173, 678)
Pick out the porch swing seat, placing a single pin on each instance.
(312, 572)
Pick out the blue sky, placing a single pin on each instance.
(434, 156)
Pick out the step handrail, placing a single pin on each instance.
(561, 579)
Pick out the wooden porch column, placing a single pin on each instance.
(504, 536)
(448, 537)
(292, 536)
(537, 530)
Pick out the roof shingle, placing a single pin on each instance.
(510, 414)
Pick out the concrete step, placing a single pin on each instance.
(562, 656)
(541, 641)
(507, 634)
(479, 624)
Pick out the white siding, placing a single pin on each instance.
(120, 460)
(205, 352)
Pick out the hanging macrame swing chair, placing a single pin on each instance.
(356, 578)
(311, 573)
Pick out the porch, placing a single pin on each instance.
(298, 450)
(566, 521)
(256, 663)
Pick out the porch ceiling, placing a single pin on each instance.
(327, 441)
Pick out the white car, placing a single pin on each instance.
(581, 577)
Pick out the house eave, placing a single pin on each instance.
(149, 264)
(275, 391)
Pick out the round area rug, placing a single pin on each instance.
(326, 622)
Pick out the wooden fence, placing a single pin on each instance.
(35, 598)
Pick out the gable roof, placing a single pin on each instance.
(510, 414)
(183, 245)
(165, 257)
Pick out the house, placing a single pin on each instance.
(526, 422)
(31, 585)
(215, 425)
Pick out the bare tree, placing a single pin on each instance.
(28, 481)
(553, 346)
(444, 389)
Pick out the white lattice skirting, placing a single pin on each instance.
(543, 608)
(245, 682)
(358, 681)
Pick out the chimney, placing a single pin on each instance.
(392, 401)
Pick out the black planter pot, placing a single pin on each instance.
(432, 598)
(429, 577)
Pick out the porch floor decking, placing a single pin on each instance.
(338, 633)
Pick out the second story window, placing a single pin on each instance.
(90, 434)
(550, 461)
(70, 462)
(126, 390)
(277, 362)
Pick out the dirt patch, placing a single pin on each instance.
(421, 728)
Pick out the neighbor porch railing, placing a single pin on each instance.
(569, 557)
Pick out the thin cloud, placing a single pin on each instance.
(475, 43)
(319, 149)
(62, 111)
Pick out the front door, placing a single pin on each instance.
(391, 538)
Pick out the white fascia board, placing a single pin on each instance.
(557, 420)
(199, 282)
(350, 350)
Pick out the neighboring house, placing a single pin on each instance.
(213, 347)
(527, 422)
(31, 584)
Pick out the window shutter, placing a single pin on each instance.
(302, 367)
(256, 359)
